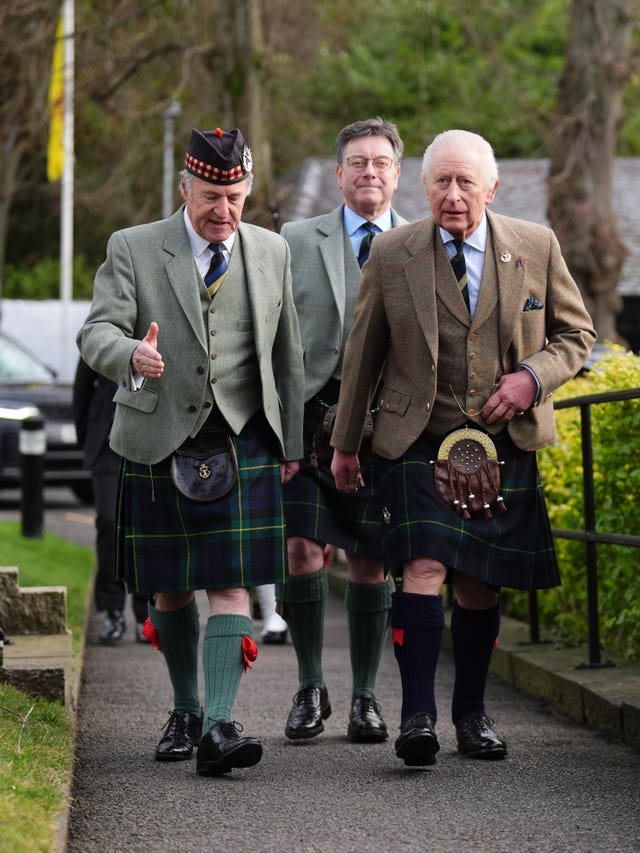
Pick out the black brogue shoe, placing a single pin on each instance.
(365, 721)
(478, 739)
(182, 732)
(310, 707)
(417, 743)
(222, 748)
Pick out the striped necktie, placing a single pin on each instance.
(460, 269)
(218, 267)
(365, 244)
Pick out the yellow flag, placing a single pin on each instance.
(55, 151)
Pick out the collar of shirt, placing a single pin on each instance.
(353, 223)
(474, 248)
(200, 247)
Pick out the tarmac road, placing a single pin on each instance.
(562, 787)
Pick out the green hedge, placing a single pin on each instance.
(616, 460)
(42, 280)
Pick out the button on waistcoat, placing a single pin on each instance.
(233, 386)
(468, 356)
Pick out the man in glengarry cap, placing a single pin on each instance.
(193, 317)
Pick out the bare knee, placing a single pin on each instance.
(363, 569)
(423, 576)
(168, 601)
(305, 556)
(234, 601)
(473, 594)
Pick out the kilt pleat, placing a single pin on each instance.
(315, 509)
(168, 543)
(513, 549)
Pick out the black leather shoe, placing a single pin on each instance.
(275, 638)
(180, 736)
(222, 748)
(477, 738)
(417, 744)
(113, 627)
(310, 707)
(365, 721)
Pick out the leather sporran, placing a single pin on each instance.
(467, 473)
(205, 468)
(321, 449)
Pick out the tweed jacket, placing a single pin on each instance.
(395, 332)
(150, 275)
(321, 277)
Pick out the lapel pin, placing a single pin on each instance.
(505, 257)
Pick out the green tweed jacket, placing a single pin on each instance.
(150, 275)
(322, 275)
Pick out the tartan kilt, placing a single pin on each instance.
(168, 543)
(513, 549)
(315, 509)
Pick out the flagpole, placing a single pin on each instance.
(66, 219)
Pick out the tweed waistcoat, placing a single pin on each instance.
(234, 374)
(468, 350)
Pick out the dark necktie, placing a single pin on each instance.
(217, 268)
(460, 269)
(365, 243)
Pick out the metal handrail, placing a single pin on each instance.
(589, 535)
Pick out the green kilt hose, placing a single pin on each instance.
(513, 549)
(316, 510)
(168, 543)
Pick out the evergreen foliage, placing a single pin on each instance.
(616, 461)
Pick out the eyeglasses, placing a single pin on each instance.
(359, 163)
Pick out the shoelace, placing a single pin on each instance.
(303, 697)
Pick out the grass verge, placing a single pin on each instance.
(36, 736)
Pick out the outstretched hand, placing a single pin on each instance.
(146, 360)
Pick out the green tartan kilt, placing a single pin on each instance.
(513, 549)
(168, 543)
(315, 509)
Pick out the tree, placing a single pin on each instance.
(240, 57)
(580, 177)
(27, 29)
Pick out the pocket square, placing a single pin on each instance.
(533, 304)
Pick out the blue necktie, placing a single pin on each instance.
(217, 268)
(460, 269)
(365, 244)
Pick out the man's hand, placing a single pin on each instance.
(345, 468)
(288, 470)
(146, 361)
(514, 395)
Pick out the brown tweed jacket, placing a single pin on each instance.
(395, 333)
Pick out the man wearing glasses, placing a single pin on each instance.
(327, 253)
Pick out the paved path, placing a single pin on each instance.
(562, 787)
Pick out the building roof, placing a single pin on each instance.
(522, 193)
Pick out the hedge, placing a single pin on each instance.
(616, 461)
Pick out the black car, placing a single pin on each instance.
(29, 388)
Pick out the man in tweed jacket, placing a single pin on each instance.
(442, 364)
(193, 317)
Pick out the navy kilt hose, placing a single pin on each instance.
(513, 549)
(168, 543)
(315, 509)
